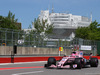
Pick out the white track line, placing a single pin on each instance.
(22, 63)
(92, 73)
(27, 73)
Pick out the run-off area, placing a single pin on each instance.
(36, 68)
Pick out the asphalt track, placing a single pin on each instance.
(36, 68)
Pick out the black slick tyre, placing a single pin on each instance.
(94, 62)
(79, 63)
(45, 65)
(51, 61)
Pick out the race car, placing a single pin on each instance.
(74, 61)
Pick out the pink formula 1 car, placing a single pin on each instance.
(75, 60)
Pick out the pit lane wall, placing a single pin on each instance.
(33, 59)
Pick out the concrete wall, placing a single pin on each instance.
(6, 50)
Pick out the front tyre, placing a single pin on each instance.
(79, 63)
(45, 65)
(51, 61)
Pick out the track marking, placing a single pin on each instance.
(22, 63)
(27, 73)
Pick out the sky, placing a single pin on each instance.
(27, 10)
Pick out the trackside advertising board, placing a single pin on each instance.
(84, 47)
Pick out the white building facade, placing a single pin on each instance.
(65, 20)
(64, 24)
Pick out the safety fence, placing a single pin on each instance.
(9, 37)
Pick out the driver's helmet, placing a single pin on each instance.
(73, 54)
(64, 56)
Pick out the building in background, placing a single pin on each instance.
(64, 24)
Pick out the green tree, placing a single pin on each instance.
(82, 32)
(8, 22)
(11, 17)
(41, 29)
(7, 28)
(92, 32)
(5, 23)
(42, 26)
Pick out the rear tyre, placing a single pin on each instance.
(51, 61)
(94, 62)
(79, 63)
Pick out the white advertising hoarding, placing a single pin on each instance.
(84, 47)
